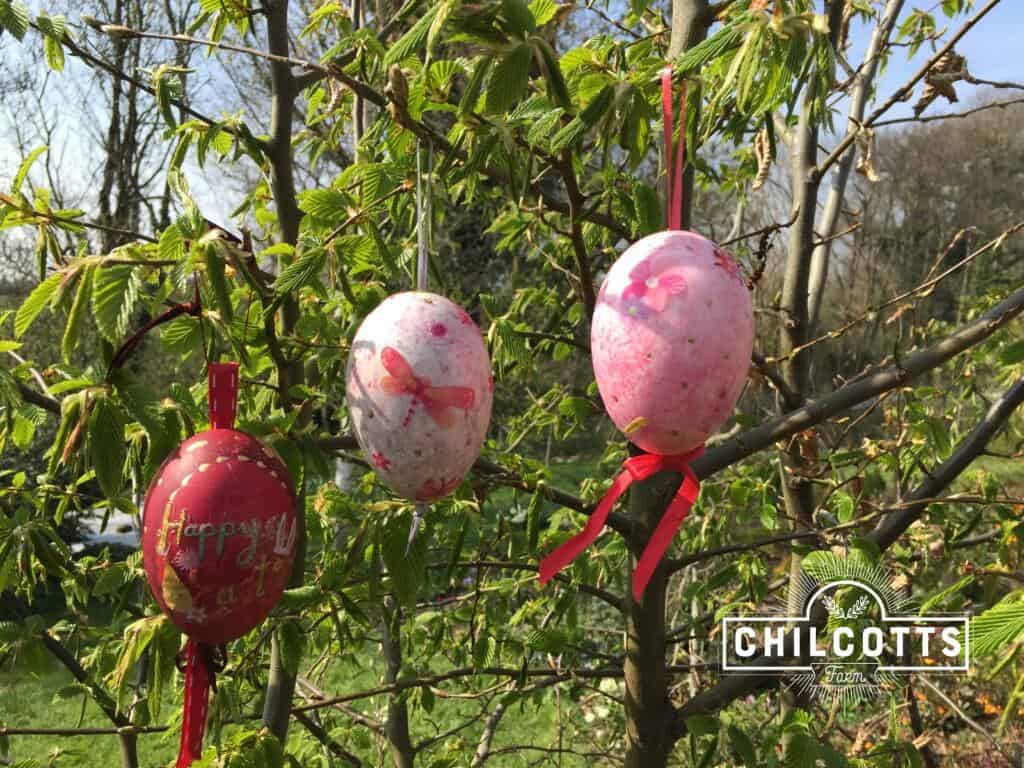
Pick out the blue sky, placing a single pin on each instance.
(993, 49)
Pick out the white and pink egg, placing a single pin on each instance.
(419, 390)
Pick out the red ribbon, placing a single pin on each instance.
(674, 167)
(201, 664)
(635, 468)
(222, 380)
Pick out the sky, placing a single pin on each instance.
(992, 49)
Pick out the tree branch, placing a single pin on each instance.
(871, 385)
(887, 532)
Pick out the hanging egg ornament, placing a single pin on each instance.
(419, 390)
(671, 339)
(218, 542)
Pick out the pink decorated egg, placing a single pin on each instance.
(671, 339)
(419, 391)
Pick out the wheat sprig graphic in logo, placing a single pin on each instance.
(836, 611)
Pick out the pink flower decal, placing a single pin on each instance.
(380, 461)
(725, 261)
(650, 290)
(435, 489)
(438, 402)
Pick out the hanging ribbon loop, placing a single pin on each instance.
(635, 468)
(674, 164)
(222, 382)
(202, 662)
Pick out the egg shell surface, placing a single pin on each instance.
(419, 391)
(671, 340)
(218, 536)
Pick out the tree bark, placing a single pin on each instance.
(797, 492)
(837, 191)
(690, 22)
(281, 683)
(397, 725)
(649, 712)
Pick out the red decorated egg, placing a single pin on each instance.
(419, 389)
(671, 339)
(218, 535)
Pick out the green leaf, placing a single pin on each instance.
(485, 651)
(291, 644)
(509, 79)
(648, 208)
(801, 751)
(844, 506)
(1012, 353)
(998, 626)
(533, 519)
(702, 725)
(404, 568)
(172, 244)
(182, 335)
(598, 105)
(472, 93)
(742, 747)
(543, 11)
(34, 303)
(115, 290)
(14, 18)
(214, 260)
(107, 447)
(137, 637)
(23, 169)
(576, 407)
(517, 14)
(577, 128)
(301, 271)
(558, 91)
(73, 329)
(54, 53)
(412, 40)
(322, 203)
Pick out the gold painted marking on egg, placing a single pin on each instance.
(222, 459)
(203, 467)
(243, 457)
(186, 479)
(635, 425)
(261, 465)
(196, 445)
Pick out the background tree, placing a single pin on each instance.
(886, 366)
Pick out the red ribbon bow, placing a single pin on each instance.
(201, 664)
(635, 468)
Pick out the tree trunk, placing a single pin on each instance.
(649, 713)
(841, 174)
(690, 22)
(281, 683)
(397, 725)
(797, 492)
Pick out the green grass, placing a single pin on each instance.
(27, 701)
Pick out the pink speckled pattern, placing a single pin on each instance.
(419, 390)
(671, 340)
